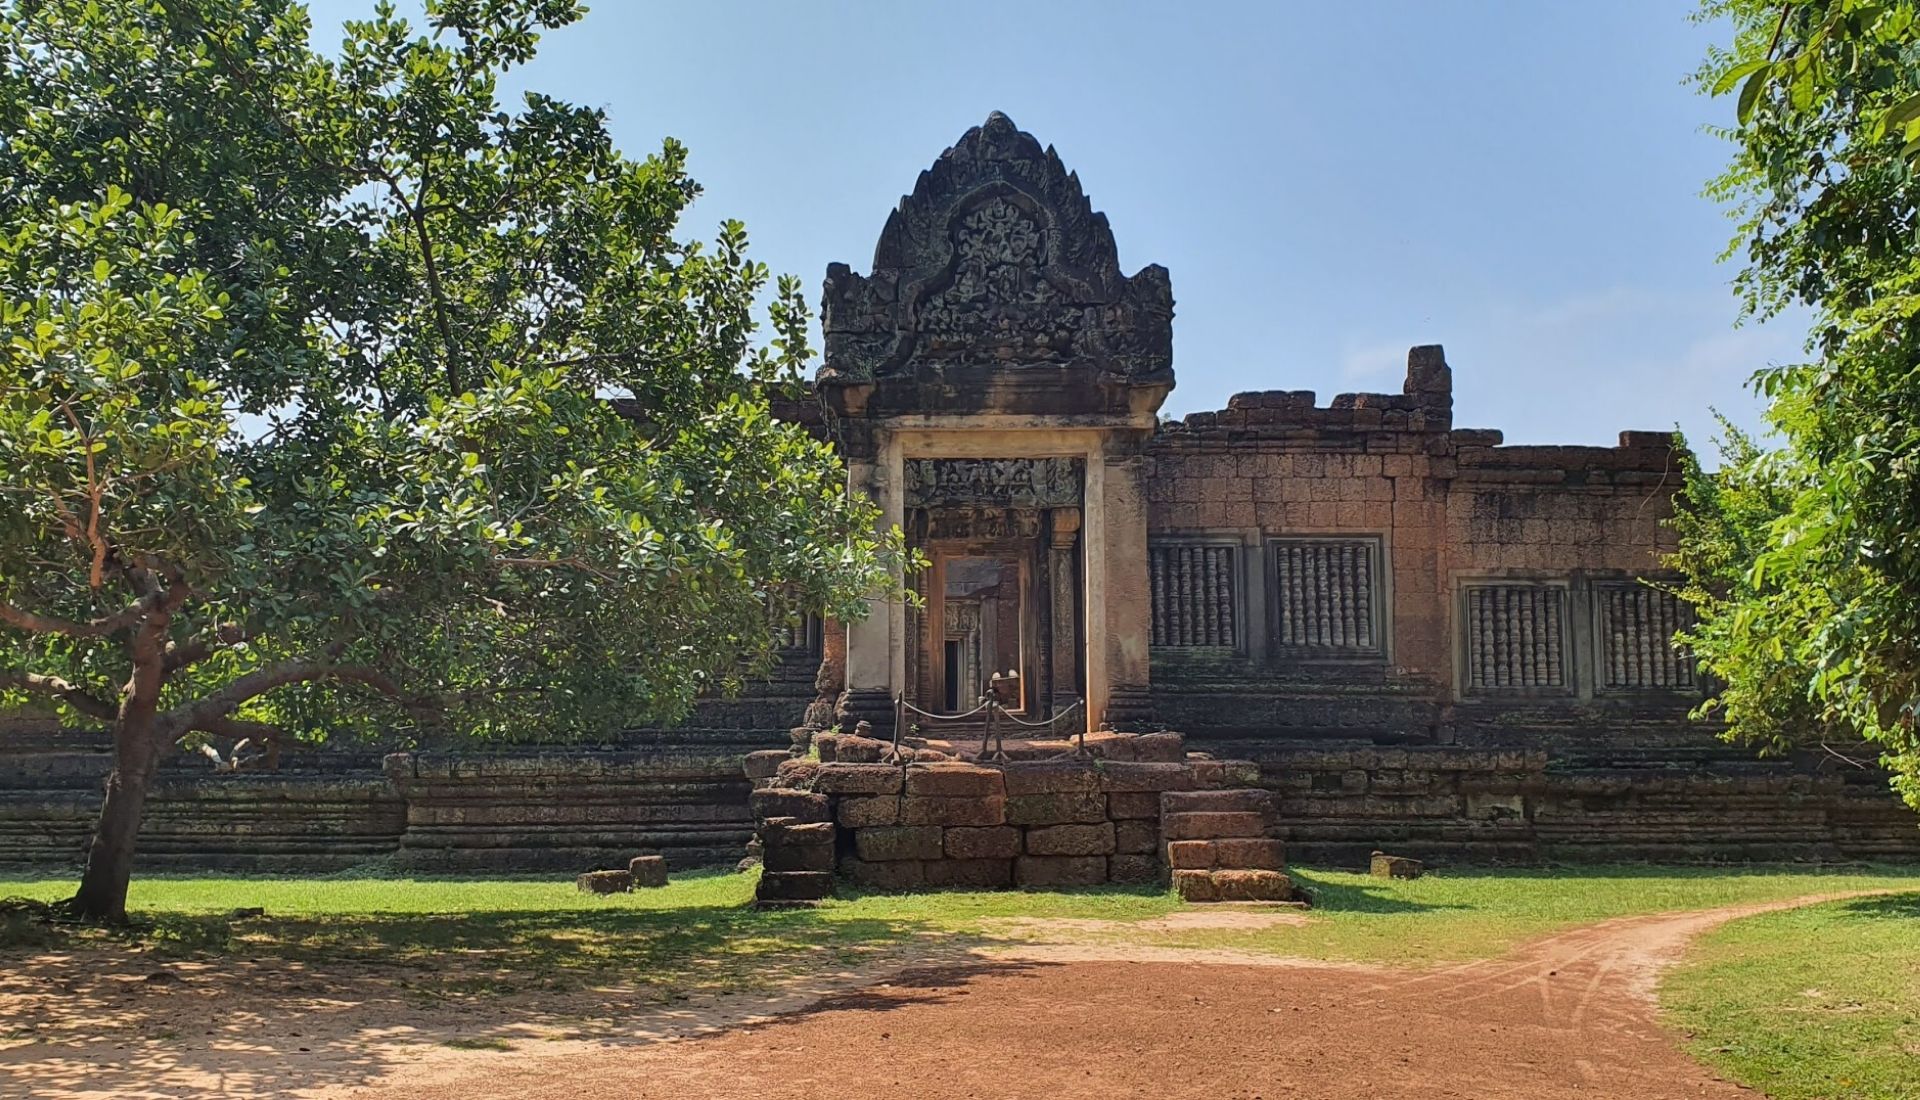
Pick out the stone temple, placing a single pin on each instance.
(1412, 636)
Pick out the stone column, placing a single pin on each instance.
(1064, 608)
(870, 657)
(1128, 594)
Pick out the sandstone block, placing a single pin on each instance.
(954, 781)
(1140, 805)
(1122, 775)
(838, 778)
(1050, 777)
(780, 802)
(796, 772)
(812, 857)
(825, 746)
(1250, 854)
(1060, 870)
(908, 874)
(861, 813)
(648, 871)
(1132, 868)
(896, 842)
(1060, 808)
(1160, 748)
(1251, 800)
(918, 810)
(1226, 773)
(851, 748)
(1194, 885)
(765, 763)
(794, 886)
(979, 874)
(604, 882)
(1192, 855)
(1071, 840)
(1136, 837)
(1252, 886)
(785, 832)
(1212, 826)
(995, 842)
(1385, 866)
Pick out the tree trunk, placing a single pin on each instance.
(136, 756)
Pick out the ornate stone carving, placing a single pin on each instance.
(997, 258)
(1324, 598)
(994, 482)
(1637, 625)
(1194, 595)
(1515, 637)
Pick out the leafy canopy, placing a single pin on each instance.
(324, 375)
(1807, 558)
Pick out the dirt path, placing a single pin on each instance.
(1571, 1015)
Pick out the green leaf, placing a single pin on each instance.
(1750, 93)
(1734, 75)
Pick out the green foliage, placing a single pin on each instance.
(327, 377)
(1824, 185)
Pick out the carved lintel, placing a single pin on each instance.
(995, 482)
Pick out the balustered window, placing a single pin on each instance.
(1516, 637)
(1196, 591)
(1636, 625)
(1326, 597)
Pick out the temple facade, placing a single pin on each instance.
(1415, 637)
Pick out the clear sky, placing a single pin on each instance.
(1327, 183)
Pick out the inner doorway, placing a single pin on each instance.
(983, 627)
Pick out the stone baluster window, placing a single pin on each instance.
(1636, 625)
(1195, 595)
(1326, 600)
(1516, 637)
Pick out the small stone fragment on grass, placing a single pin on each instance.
(648, 871)
(1386, 866)
(604, 882)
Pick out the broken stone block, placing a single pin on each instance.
(1160, 748)
(648, 871)
(1060, 870)
(780, 802)
(794, 886)
(995, 842)
(869, 779)
(899, 842)
(1070, 840)
(1212, 826)
(604, 882)
(1386, 866)
(765, 764)
(851, 748)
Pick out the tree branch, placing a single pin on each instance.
(224, 701)
(69, 693)
(51, 624)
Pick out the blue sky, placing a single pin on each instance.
(1328, 184)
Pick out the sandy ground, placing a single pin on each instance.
(1571, 1015)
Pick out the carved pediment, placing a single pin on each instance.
(997, 259)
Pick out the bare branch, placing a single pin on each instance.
(223, 702)
(34, 623)
(67, 692)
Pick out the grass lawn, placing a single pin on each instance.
(1822, 1002)
(697, 934)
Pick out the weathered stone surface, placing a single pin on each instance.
(1122, 775)
(904, 874)
(852, 749)
(796, 773)
(1225, 773)
(975, 874)
(1243, 800)
(648, 871)
(1060, 870)
(954, 781)
(1024, 778)
(1064, 808)
(1383, 865)
(1136, 837)
(916, 810)
(786, 832)
(799, 805)
(1211, 826)
(794, 886)
(1138, 805)
(765, 764)
(1194, 885)
(887, 843)
(1193, 855)
(1160, 748)
(1132, 868)
(1071, 840)
(604, 882)
(1251, 854)
(996, 842)
(841, 778)
(1252, 886)
(812, 857)
(859, 813)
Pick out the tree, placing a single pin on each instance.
(307, 396)
(1821, 607)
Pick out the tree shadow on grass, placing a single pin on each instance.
(1898, 907)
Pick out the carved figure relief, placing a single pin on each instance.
(994, 482)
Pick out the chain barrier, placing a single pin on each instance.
(988, 736)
